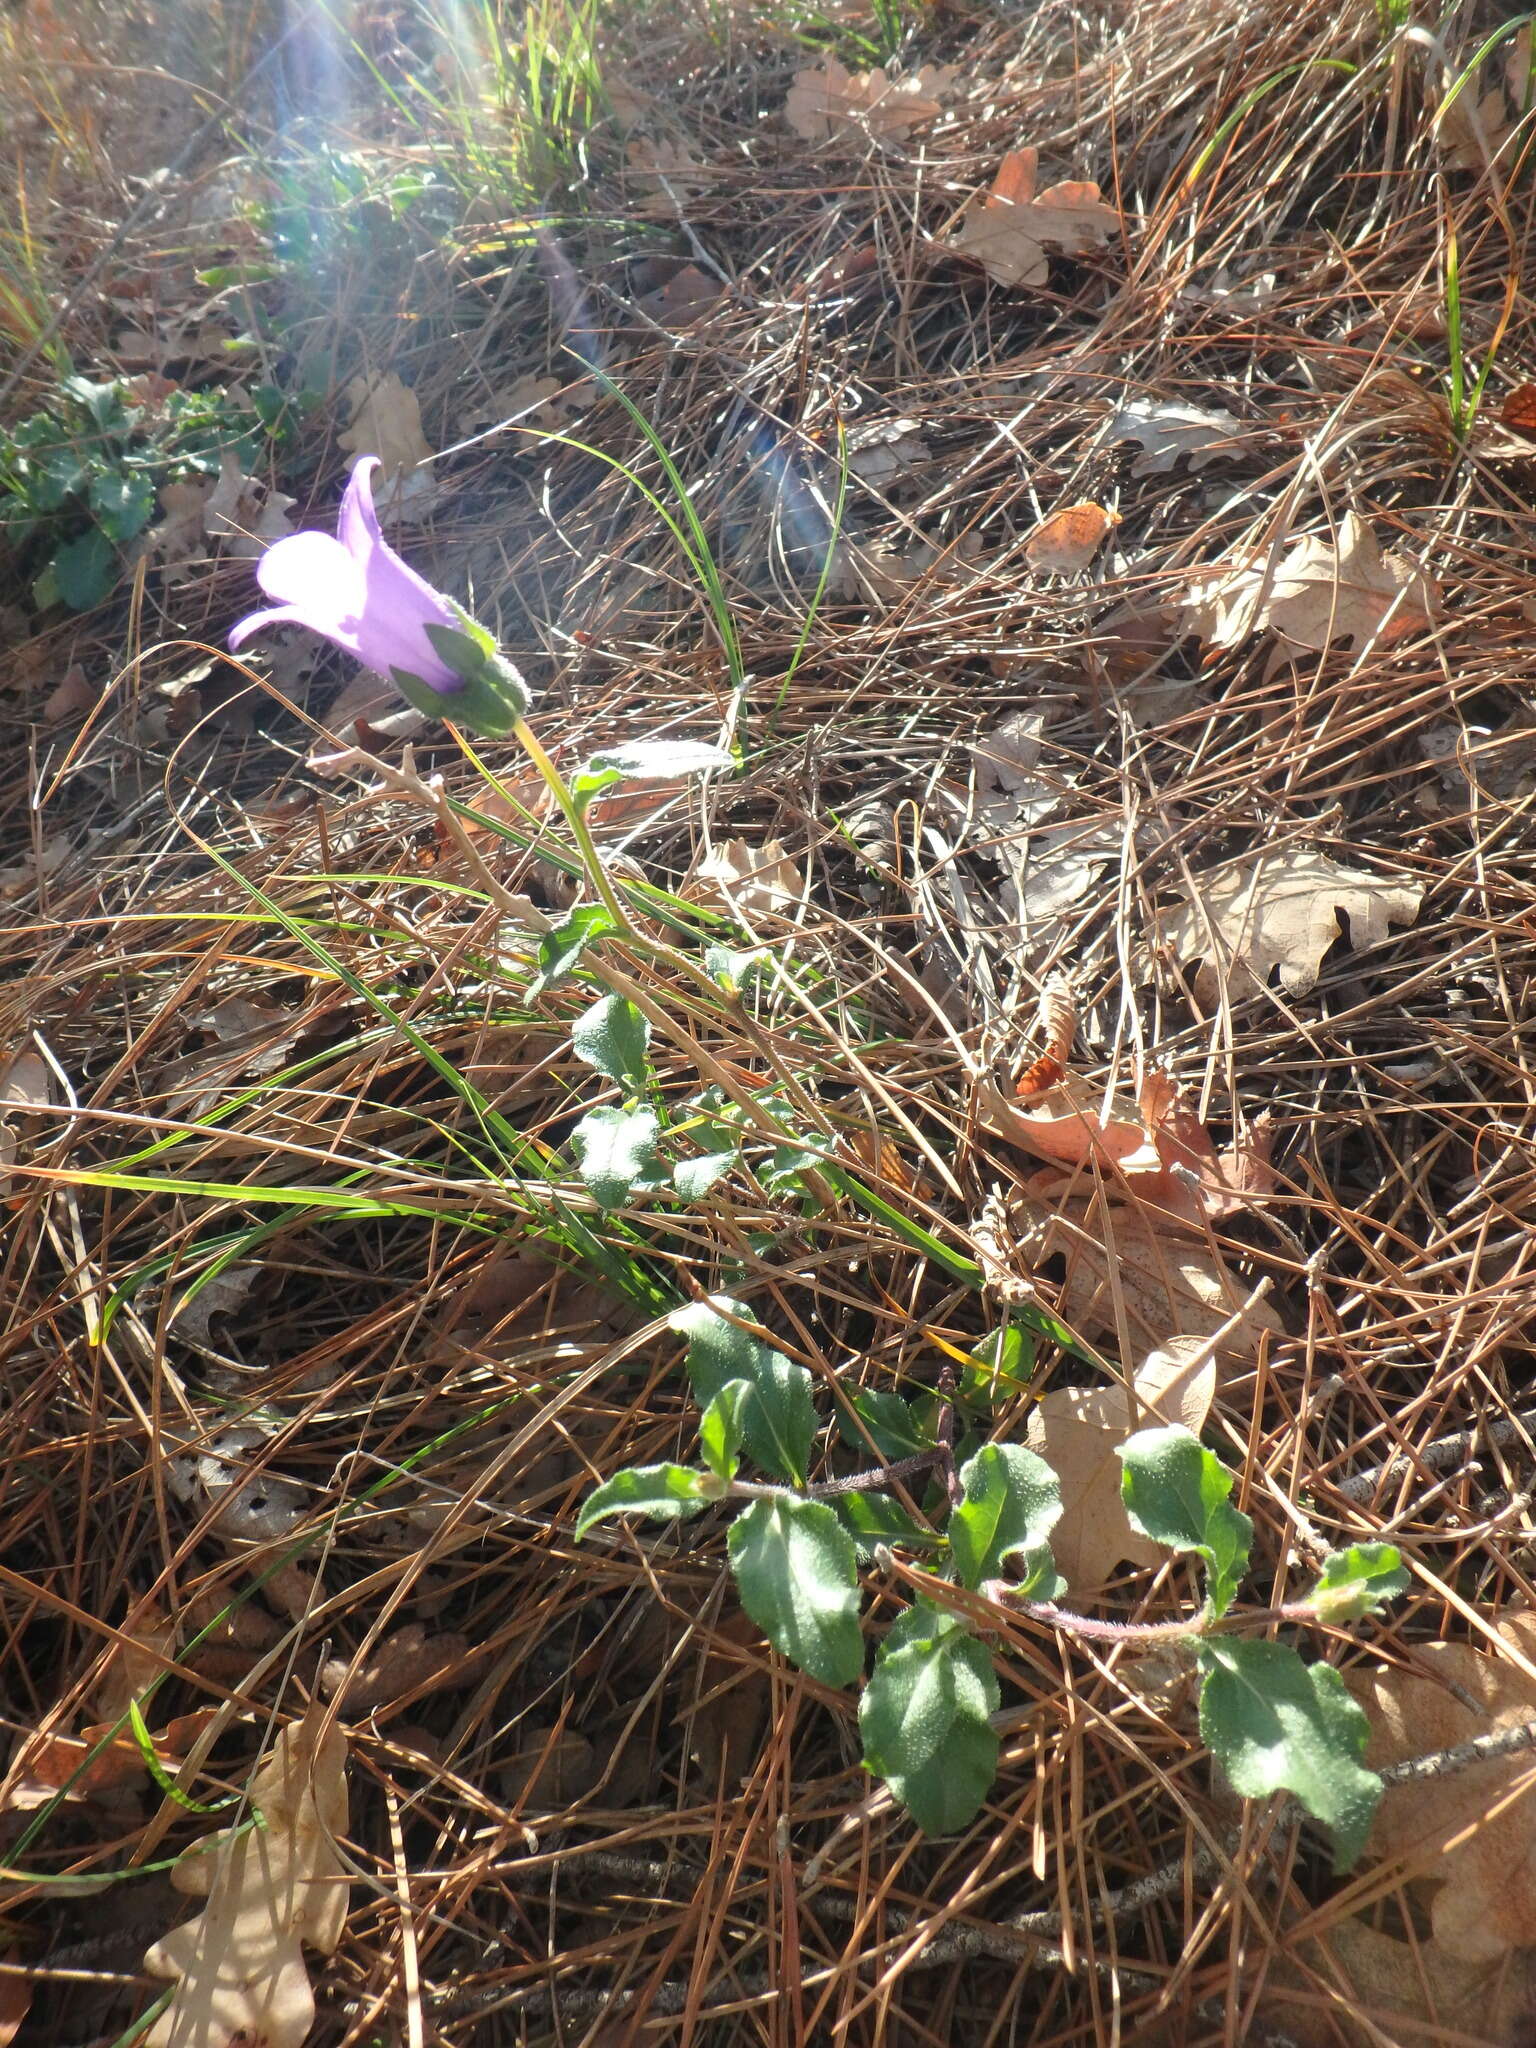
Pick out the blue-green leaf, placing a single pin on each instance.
(614, 1036)
(1011, 1503)
(1175, 1491)
(925, 1720)
(798, 1575)
(122, 502)
(665, 1493)
(616, 1153)
(781, 1422)
(662, 760)
(1276, 1724)
(1356, 1581)
(84, 570)
(723, 1425)
(561, 949)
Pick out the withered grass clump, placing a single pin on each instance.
(277, 1025)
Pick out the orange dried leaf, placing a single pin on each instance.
(1008, 229)
(827, 100)
(1320, 590)
(1067, 540)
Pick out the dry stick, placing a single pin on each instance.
(1444, 1455)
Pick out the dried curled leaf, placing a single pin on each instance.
(238, 1967)
(1008, 229)
(1078, 1430)
(1319, 591)
(409, 1661)
(1464, 1829)
(756, 881)
(1356, 1987)
(1118, 1258)
(1278, 908)
(1066, 541)
(385, 419)
(1168, 431)
(827, 100)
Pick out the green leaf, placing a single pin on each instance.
(874, 1518)
(616, 1153)
(798, 1574)
(666, 1493)
(925, 1720)
(589, 783)
(781, 1422)
(122, 503)
(614, 1037)
(662, 760)
(1355, 1581)
(1002, 1364)
(1175, 1491)
(494, 693)
(893, 1426)
(723, 1425)
(463, 652)
(693, 1178)
(734, 970)
(84, 570)
(1274, 1723)
(559, 950)
(1012, 1502)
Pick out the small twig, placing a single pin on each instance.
(1444, 1455)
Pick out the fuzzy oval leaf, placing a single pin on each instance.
(614, 1036)
(559, 950)
(1012, 1502)
(665, 1493)
(723, 1425)
(924, 1718)
(780, 1424)
(797, 1573)
(1275, 1724)
(616, 1153)
(693, 1178)
(1356, 1580)
(1175, 1491)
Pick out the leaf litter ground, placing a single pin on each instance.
(305, 1394)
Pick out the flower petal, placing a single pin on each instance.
(357, 524)
(289, 615)
(314, 572)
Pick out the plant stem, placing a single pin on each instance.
(554, 782)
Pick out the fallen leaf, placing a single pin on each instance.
(1518, 412)
(409, 1661)
(73, 696)
(1356, 1987)
(47, 1765)
(238, 1967)
(754, 881)
(135, 1662)
(1008, 229)
(1169, 1285)
(1319, 591)
(687, 295)
(1194, 1179)
(385, 417)
(26, 1084)
(1066, 1125)
(667, 171)
(827, 100)
(16, 1986)
(1485, 1897)
(882, 451)
(1011, 790)
(1078, 1431)
(544, 402)
(225, 1294)
(179, 541)
(1239, 297)
(1168, 431)
(549, 1773)
(1474, 127)
(243, 513)
(1278, 907)
(728, 1718)
(1066, 541)
(251, 1503)
(366, 710)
